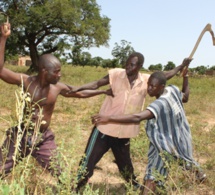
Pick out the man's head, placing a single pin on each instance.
(134, 63)
(156, 84)
(49, 67)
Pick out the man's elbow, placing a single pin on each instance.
(137, 119)
(1, 72)
(185, 99)
(84, 95)
(168, 75)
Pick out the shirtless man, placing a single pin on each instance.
(43, 90)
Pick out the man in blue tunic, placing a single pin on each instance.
(167, 128)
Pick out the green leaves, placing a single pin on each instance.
(40, 26)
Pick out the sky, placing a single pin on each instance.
(162, 30)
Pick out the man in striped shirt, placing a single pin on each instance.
(167, 128)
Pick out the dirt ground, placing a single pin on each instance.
(106, 171)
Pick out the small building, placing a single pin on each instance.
(24, 61)
(210, 72)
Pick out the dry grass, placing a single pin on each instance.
(71, 124)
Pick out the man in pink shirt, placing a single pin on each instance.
(129, 88)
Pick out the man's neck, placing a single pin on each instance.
(41, 83)
(132, 79)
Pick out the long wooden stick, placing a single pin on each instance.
(207, 28)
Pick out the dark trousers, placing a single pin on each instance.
(44, 151)
(98, 144)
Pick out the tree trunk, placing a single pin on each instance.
(34, 57)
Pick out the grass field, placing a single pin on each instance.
(72, 125)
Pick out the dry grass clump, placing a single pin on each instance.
(72, 126)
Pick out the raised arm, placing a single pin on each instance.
(5, 74)
(129, 118)
(185, 87)
(173, 72)
(3, 39)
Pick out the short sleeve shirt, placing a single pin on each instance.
(126, 100)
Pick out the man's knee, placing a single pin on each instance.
(6, 168)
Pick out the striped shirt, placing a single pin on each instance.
(169, 131)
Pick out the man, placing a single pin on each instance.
(42, 91)
(167, 129)
(129, 88)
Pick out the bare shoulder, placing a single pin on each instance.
(62, 87)
(27, 79)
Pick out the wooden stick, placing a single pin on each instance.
(207, 28)
(6, 25)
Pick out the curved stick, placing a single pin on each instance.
(207, 28)
(6, 23)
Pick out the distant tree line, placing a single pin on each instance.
(170, 65)
(120, 53)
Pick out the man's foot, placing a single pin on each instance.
(74, 190)
(200, 176)
(137, 186)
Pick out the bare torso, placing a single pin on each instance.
(42, 101)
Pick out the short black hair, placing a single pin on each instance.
(139, 56)
(160, 76)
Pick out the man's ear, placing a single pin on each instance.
(163, 86)
(44, 70)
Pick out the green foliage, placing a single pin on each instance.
(3, 18)
(199, 69)
(212, 68)
(85, 58)
(170, 65)
(48, 26)
(157, 67)
(121, 52)
(96, 61)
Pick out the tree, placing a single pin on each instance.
(85, 58)
(157, 67)
(96, 61)
(44, 26)
(200, 69)
(76, 53)
(121, 52)
(170, 65)
(212, 68)
(107, 63)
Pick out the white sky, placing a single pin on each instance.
(163, 30)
